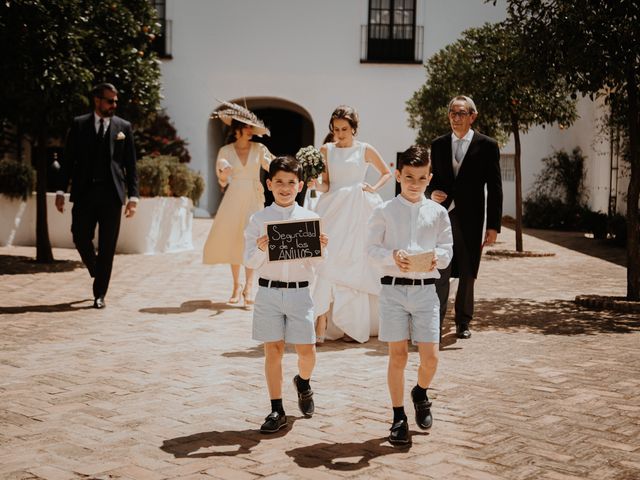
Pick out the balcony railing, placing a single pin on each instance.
(405, 46)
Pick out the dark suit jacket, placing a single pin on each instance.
(480, 167)
(78, 158)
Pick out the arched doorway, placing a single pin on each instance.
(291, 128)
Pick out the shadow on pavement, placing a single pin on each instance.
(336, 456)
(253, 352)
(191, 306)
(373, 347)
(603, 249)
(557, 317)
(220, 444)
(58, 307)
(19, 265)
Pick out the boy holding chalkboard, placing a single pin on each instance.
(410, 238)
(283, 310)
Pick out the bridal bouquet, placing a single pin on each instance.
(312, 165)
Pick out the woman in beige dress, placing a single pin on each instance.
(238, 168)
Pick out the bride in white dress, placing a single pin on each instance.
(346, 288)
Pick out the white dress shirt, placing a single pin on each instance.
(96, 122)
(399, 224)
(286, 271)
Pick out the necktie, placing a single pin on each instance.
(458, 152)
(101, 129)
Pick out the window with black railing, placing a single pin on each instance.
(162, 43)
(392, 36)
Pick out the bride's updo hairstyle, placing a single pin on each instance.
(345, 112)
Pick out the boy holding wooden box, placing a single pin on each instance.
(410, 238)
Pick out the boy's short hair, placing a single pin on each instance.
(285, 163)
(414, 156)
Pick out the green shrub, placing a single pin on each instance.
(563, 176)
(17, 179)
(557, 201)
(160, 138)
(596, 223)
(166, 176)
(153, 177)
(618, 229)
(198, 188)
(542, 211)
(180, 179)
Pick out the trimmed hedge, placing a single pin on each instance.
(17, 179)
(165, 176)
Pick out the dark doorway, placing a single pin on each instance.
(290, 131)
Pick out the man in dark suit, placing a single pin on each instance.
(100, 161)
(464, 163)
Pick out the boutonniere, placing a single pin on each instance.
(120, 136)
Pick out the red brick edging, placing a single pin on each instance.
(599, 302)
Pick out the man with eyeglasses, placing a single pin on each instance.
(465, 164)
(100, 161)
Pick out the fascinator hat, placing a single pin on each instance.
(232, 111)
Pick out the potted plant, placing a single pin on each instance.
(164, 217)
(17, 182)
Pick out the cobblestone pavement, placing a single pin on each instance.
(166, 382)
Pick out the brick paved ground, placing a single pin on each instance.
(166, 383)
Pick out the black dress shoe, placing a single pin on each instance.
(305, 399)
(99, 303)
(273, 422)
(463, 332)
(424, 419)
(399, 433)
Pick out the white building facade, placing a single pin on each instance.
(294, 61)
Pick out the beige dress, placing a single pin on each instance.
(244, 197)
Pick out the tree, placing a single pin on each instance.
(488, 65)
(160, 137)
(51, 52)
(594, 45)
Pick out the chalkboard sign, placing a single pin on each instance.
(294, 240)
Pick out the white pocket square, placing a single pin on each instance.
(120, 136)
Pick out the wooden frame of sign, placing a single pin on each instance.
(291, 240)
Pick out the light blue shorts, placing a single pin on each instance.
(284, 314)
(409, 312)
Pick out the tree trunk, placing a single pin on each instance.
(43, 245)
(518, 172)
(633, 194)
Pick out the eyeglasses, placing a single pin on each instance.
(460, 114)
(110, 101)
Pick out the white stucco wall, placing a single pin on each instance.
(303, 51)
(540, 142)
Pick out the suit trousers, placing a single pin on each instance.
(464, 294)
(100, 207)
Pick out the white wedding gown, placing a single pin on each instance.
(347, 284)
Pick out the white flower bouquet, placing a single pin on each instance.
(312, 164)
